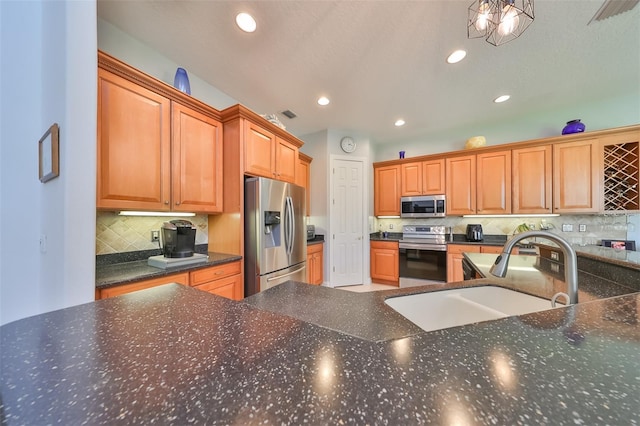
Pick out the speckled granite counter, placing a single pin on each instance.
(175, 355)
(318, 239)
(122, 273)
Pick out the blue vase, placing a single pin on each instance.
(573, 126)
(181, 81)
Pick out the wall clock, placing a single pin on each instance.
(347, 144)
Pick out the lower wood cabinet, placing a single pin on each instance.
(181, 278)
(223, 280)
(454, 257)
(384, 257)
(315, 264)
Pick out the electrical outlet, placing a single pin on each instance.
(532, 226)
(567, 227)
(555, 256)
(155, 236)
(582, 228)
(391, 226)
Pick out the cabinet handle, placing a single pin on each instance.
(166, 202)
(220, 272)
(177, 203)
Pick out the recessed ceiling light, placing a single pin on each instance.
(323, 100)
(246, 22)
(399, 122)
(502, 98)
(456, 56)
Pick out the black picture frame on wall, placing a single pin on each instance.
(49, 154)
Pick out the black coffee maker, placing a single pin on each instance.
(474, 233)
(178, 238)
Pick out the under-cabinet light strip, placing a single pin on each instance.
(171, 214)
(513, 215)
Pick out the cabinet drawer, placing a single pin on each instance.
(315, 248)
(202, 276)
(391, 245)
(225, 287)
(462, 248)
(491, 249)
(141, 285)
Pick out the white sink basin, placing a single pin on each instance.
(450, 308)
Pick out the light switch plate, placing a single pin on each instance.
(567, 227)
(582, 228)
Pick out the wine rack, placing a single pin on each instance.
(622, 176)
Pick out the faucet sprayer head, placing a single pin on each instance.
(499, 268)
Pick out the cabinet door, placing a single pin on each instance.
(433, 177)
(259, 155)
(493, 181)
(314, 264)
(384, 262)
(386, 188)
(531, 182)
(576, 177)
(286, 160)
(411, 181)
(461, 185)
(303, 178)
(133, 164)
(196, 161)
(454, 260)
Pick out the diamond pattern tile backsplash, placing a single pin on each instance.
(598, 227)
(120, 234)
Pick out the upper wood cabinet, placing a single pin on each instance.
(303, 177)
(386, 189)
(134, 146)
(268, 155)
(493, 180)
(158, 149)
(423, 178)
(461, 185)
(531, 184)
(196, 161)
(576, 177)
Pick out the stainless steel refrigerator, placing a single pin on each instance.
(275, 237)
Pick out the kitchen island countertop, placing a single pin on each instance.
(175, 355)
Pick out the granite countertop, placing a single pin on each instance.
(201, 359)
(318, 239)
(122, 273)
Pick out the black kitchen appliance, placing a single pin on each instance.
(178, 238)
(474, 232)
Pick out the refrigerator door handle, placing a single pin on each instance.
(288, 218)
(293, 225)
(287, 274)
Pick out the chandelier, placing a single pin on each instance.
(499, 21)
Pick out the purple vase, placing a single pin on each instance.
(181, 81)
(573, 126)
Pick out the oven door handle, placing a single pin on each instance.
(431, 247)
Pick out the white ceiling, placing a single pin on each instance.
(382, 60)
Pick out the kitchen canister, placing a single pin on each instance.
(181, 81)
(573, 126)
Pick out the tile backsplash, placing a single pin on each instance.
(120, 234)
(597, 227)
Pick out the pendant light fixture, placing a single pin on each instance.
(499, 21)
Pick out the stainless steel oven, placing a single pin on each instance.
(423, 252)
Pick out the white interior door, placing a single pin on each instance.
(347, 223)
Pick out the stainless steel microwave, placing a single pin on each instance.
(423, 206)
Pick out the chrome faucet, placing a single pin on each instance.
(499, 268)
